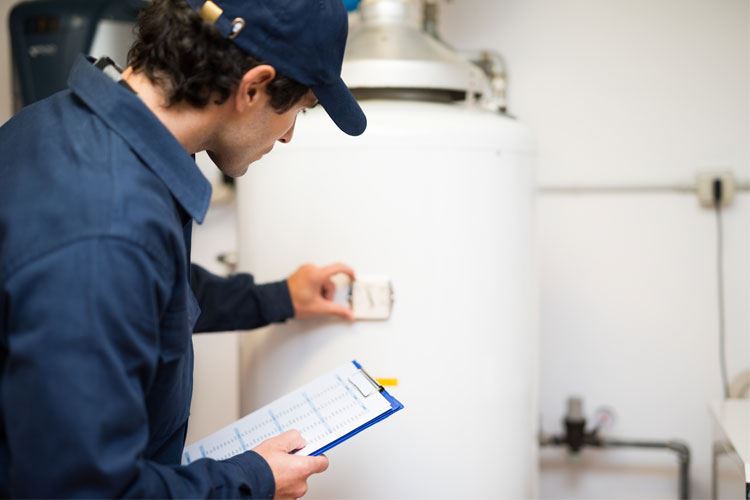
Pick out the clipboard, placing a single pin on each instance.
(327, 411)
(395, 406)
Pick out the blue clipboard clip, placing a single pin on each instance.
(395, 406)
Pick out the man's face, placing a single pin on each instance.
(249, 134)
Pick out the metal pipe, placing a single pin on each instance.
(678, 447)
(718, 449)
(430, 18)
(628, 189)
(576, 437)
(494, 67)
(612, 189)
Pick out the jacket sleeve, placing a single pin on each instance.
(237, 302)
(82, 349)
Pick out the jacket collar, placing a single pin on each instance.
(149, 139)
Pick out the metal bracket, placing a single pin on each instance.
(365, 384)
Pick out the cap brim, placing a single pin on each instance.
(342, 107)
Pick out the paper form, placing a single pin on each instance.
(324, 410)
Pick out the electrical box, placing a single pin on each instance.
(706, 186)
(372, 298)
(369, 297)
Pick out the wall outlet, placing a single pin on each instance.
(705, 185)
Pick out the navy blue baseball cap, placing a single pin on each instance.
(303, 39)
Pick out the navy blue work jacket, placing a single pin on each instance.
(98, 302)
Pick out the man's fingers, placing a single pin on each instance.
(336, 310)
(329, 290)
(318, 464)
(337, 268)
(291, 441)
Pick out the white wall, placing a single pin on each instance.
(629, 92)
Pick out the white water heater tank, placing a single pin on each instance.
(437, 197)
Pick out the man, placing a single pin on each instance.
(98, 193)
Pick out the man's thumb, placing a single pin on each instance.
(291, 441)
(318, 464)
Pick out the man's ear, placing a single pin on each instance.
(252, 88)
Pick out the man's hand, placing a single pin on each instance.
(290, 471)
(312, 291)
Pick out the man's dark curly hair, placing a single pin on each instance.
(191, 62)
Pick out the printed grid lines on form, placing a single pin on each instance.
(323, 411)
(315, 414)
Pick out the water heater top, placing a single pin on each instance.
(388, 50)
